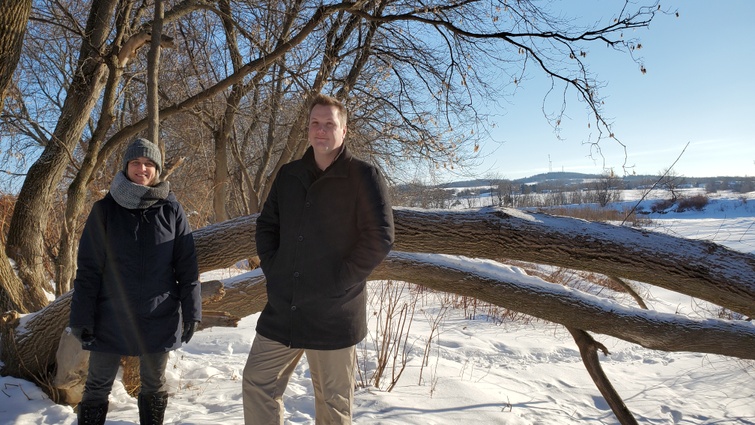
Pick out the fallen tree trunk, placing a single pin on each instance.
(700, 269)
(547, 301)
(31, 343)
(246, 295)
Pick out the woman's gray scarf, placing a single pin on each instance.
(134, 196)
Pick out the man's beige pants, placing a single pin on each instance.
(269, 367)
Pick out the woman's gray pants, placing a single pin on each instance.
(103, 367)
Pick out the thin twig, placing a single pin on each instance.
(654, 185)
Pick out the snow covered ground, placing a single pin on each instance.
(476, 371)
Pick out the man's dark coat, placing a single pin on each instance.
(319, 236)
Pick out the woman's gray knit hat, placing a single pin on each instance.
(143, 147)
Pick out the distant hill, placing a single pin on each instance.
(566, 179)
(552, 177)
(557, 176)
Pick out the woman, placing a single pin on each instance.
(136, 291)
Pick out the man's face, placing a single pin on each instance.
(326, 131)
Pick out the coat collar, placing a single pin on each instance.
(339, 167)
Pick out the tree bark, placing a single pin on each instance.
(220, 174)
(697, 268)
(11, 287)
(29, 350)
(222, 134)
(246, 296)
(14, 15)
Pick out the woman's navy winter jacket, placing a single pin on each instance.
(137, 277)
(319, 236)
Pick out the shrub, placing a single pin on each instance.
(661, 206)
(596, 214)
(697, 202)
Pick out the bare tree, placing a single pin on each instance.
(14, 16)
(129, 41)
(30, 218)
(606, 189)
(670, 180)
(412, 96)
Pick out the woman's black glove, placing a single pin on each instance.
(84, 334)
(188, 332)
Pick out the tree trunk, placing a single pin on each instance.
(14, 15)
(696, 268)
(222, 137)
(252, 286)
(77, 190)
(532, 296)
(29, 352)
(153, 75)
(220, 177)
(11, 287)
(31, 215)
(25, 243)
(222, 134)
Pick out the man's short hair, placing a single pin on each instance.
(322, 99)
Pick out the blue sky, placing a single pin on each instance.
(698, 92)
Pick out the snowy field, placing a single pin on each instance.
(476, 371)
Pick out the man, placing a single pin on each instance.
(324, 227)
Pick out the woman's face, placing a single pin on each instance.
(142, 171)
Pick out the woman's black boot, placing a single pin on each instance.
(152, 408)
(92, 413)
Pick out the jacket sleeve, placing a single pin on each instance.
(267, 234)
(90, 264)
(375, 228)
(186, 269)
